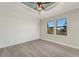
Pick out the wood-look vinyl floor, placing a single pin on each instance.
(38, 48)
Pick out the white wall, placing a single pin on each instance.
(72, 38)
(17, 25)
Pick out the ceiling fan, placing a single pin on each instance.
(40, 5)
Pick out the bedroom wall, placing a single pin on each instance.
(72, 38)
(17, 24)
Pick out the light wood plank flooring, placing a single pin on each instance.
(38, 48)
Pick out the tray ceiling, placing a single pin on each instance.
(33, 5)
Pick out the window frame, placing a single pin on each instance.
(62, 26)
(49, 27)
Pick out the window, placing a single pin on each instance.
(50, 27)
(61, 27)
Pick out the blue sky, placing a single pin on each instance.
(50, 24)
(61, 22)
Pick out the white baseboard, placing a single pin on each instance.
(13, 44)
(68, 45)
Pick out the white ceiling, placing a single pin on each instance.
(59, 8)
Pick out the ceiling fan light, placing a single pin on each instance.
(39, 8)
